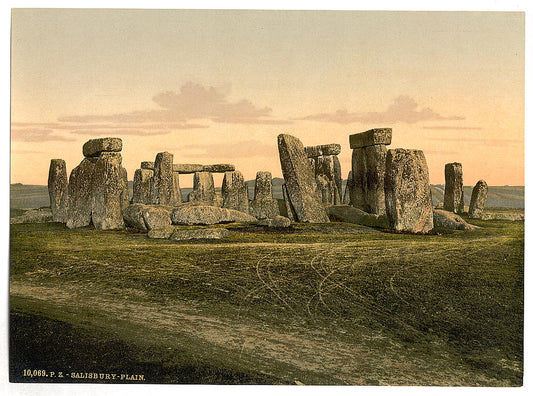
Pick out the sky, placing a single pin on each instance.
(218, 86)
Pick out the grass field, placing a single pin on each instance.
(317, 304)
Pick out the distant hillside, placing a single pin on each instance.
(32, 196)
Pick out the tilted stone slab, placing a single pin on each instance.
(300, 181)
(148, 165)
(162, 192)
(80, 189)
(407, 192)
(142, 186)
(203, 188)
(133, 216)
(276, 222)
(288, 206)
(263, 185)
(107, 192)
(203, 214)
(478, 199)
(94, 147)
(371, 138)
(323, 149)
(453, 189)
(234, 192)
(58, 189)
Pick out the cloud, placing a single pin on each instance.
(244, 149)
(479, 141)
(403, 109)
(36, 135)
(457, 128)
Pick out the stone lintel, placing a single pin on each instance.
(372, 137)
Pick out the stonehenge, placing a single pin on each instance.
(263, 206)
(453, 190)
(234, 192)
(57, 189)
(327, 169)
(478, 199)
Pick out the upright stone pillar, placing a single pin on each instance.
(80, 189)
(453, 190)
(176, 190)
(264, 206)
(300, 181)
(125, 191)
(349, 187)
(407, 192)
(234, 192)
(478, 199)
(57, 189)
(327, 179)
(368, 169)
(263, 185)
(203, 188)
(163, 181)
(142, 185)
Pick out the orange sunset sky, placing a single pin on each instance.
(219, 86)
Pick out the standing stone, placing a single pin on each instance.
(324, 149)
(107, 192)
(234, 192)
(57, 189)
(407, 192)
(163, 181)
(263, 185)
(327, 179)
(288, 206)
(300, 181)
(125, 192)
(358, 190)
(94, 147)
(142, 182)
(337, 175)
(478, 199)
(148, 165)
(203, 188)
(375, 157)
(349, 187)
(453, 190)
(176, 190)
(80, 187)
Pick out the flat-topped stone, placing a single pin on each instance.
(148, 165)
(94, 147)
(371, 138)
(219, 168)
(193, 168)
(323, 149)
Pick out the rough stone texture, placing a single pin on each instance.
(148, 165)
(176, 190)
(478, 200)
(444, 220)
(265, 208)
(163, 181)
(187, 168)
(371, 138)
(300, 181)
(288, 206)
(347, 189)
(94, 147)
(407, 193)
(142, 186)
(42, 215)
(337, 175)
(219, 168)
(162, 232)
(503, 216)
(201, 233)
(156, 217)
(234, 192)
(80, 188)
(263, 185)
(133, 216)
(327, 190)
(327, 179)
(323, 149)
(276, 222)
(349, 214)
(200, 214)
(58, 189)
(218, 199)
(107, 191)
(125, 191)
(203, 188)
(193, 168)
(368, 173)
(453, 190)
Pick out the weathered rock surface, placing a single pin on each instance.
(265, 208)
(193, 168)
(187, 168)
(94, 147)
(323, 149)
(163, 181)
(80, 190)
(445, 220)
(234, 192)
(300, 181)
(263, 185)
(357, 192)
(288, 206)
(219, 168)
(176, 190)
(161, 232)
(349, 214)
(58, 189)
(453, 190)
(142, 186)
(199, 233)
(327, 190)
(156, 216)
(407, 193)
(148, 165)
(108, 186)
(200, 214)
(337, 175)
(203, 188)
(327, 179)
(347, 189)
(478, 200)
(370, 138)
(42, 215)
(133, 216)
(125, 192)
(276, 222)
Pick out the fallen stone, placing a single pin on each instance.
(503, 216)
(300, 181)
(234, 192)
(323, 149)
(94, 147)
(453, 189)
(162, 232)
(199, 233)
(133, 216)
(203, 188)
(156, 216)
(42, 215)
(80, 189)
(265, 208)
(142, 186)
(163, 182)
(407, 193)
(148, 165)
(58, 189)
(349, 214)
(445, 220)
(276, 222)
(188, 214)
(263, 185)
(371, 138)
(478, 199)
(107, 191)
